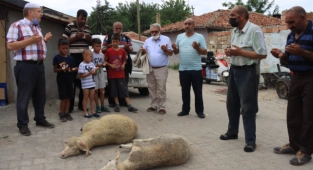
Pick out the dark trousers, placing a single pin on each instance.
(300, 113)
(242, 98)
(31, 84)
(78, 58)
(187, 79)
(121, 101)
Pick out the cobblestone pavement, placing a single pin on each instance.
(41, 150)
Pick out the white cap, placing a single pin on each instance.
(31, 5)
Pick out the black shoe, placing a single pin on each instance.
(250, 147)
(201, 115)
(182, 114)
(62, 117)
(117, 109)
(68, 116)
(228, 137)
(300, 159)
(111, 105)
(45, 123)
(24, 131)
(132, 109)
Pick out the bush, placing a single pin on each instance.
(175, 66)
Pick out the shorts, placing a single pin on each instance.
(118, 88)
(65, 88)
(100, 80)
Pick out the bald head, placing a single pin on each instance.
(189, 20)
(298, 10)
(242, 10)
(118, 27)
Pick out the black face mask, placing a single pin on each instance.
(233, 23)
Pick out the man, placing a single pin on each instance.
(299, 55)
(159, 48)
(29, 46)
(126, 44)
(191, 46)
(247, 48)
(79, 37)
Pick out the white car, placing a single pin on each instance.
(136, 79)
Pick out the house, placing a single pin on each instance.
(52, 21)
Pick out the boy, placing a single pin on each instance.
(100, 78)
(86, 71)
(116, 60)
(63, 66)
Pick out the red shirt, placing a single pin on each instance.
(115, 58)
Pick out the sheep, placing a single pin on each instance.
(165, 150)
(110, 129)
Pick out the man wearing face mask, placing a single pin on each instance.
(79, 37)
(159, 48)
(247, 48)
(27, 42)
(190, 46)
(299, 56)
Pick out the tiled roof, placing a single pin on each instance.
(219, 20)
(134, 36)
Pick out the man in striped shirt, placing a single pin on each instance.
(79, 37)
(299, 56)
(28, 44)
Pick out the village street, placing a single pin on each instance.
(41, 150)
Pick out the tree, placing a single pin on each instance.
(275, 11)
(173, 11)
(260, 6)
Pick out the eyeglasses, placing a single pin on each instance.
(154, 32)
(188, 23)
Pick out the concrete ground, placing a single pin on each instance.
(41, 150)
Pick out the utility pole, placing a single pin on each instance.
(98, 19)
(192, 8)
(138, 19)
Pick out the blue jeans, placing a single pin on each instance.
(242, 98)
(187, 79)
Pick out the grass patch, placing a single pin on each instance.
(175, 66)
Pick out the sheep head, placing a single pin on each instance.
(74, 146)
(112, 165)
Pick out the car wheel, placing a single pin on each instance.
(208, 81)
(282, 90)
(143, 91)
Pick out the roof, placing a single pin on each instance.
(219, 20)
(134, 36)
(47, 12)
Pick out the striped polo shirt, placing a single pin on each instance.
(299, 63)
(78, 46)
(87, 82)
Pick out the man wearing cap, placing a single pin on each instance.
(28, 44)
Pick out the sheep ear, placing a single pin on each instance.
(84, 147)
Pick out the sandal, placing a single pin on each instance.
(132, 109)
(96, 115)
(87, 115)
(117, 109)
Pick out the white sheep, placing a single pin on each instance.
(110, 129)
(165, 150)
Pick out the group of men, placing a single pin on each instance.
(247, 49)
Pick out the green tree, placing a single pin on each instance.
(260, 6)
(275, 11)
(173, 11)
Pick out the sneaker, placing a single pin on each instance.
(132, 109)
(87, 115)
(105, 109)
(62, 117)
(151, 109)
(98, 109)
(68, 116)
(117, 109)
(250, 147)
(96, 115)
(24, 131)
(45, 123)
(286, 149)
(300, 159)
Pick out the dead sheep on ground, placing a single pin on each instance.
(110, 129)
(165, 150)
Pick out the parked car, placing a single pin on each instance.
(136, 79)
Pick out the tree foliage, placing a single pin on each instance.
(260, 6)
(173, 11)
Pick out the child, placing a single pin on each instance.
(100, 79)
(86, 71)
(63, 65)
(116, 60)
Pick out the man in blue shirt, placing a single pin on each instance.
(190, 46)
(159, 48)
(299, 56)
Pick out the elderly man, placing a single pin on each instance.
(248, 47)
(190, 46)
(26, 40)
(79, 37)
(299, 55)
(159, 48)
(126, 44)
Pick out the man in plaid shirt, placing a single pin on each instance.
(26, 41)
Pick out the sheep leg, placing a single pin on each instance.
(127, 146)
(142, 140)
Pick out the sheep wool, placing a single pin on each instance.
(165, 150)
(110, 129)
